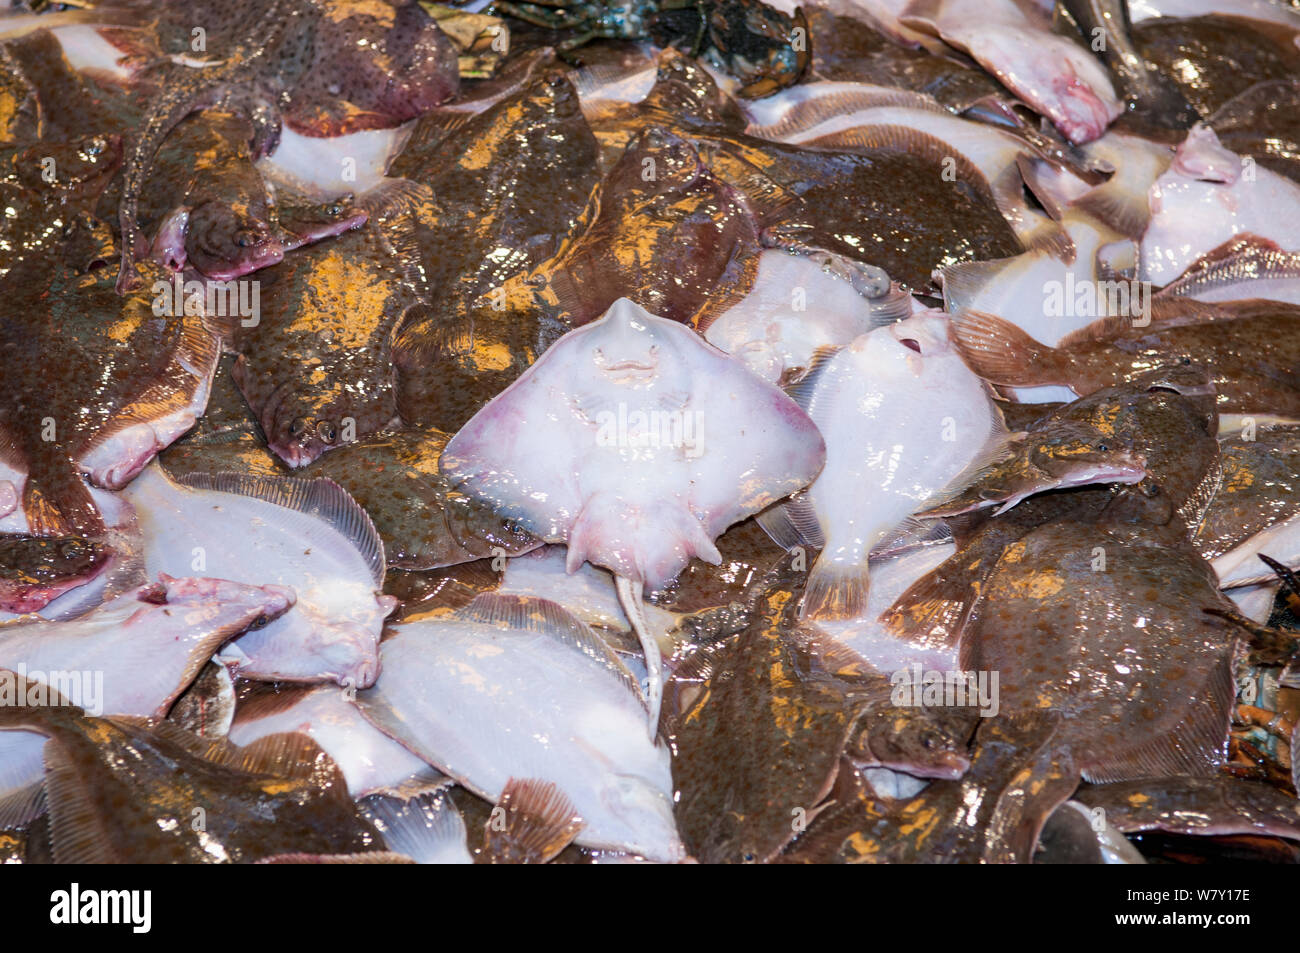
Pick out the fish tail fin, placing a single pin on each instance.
(835, 591)
(1040, 233)
(425, 828)
(533, 822)
(1000, 352)
(1035, 173)
(1115, 205)
(630, 598)
(57, 502)
(1037, 231)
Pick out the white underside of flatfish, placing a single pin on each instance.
(307, 535)
(514, 687)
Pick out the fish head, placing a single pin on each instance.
(631, 349)
(925, 742)
(348, 652)
(78, 167)
(1066, 455)
(686, 91)
(387, 62)
(1185, 378)
(235, 606)
(673, 164)
(1203, 158)
(912, 348)
(647, 816)
(34, 570)
(552, 96)
(225, 241)
(304, 223)
(766, 49)
(1166, 416)
(300, 433)
(924, 333)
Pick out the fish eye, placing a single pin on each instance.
(94, 147)
(247, 238)
(298, 426)
(70, 550)
(1187, 360)
(749, 857)
(326, 431)
(1102, 448)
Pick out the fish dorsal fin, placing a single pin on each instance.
(1032, 173)
(812, 112)
(77, 831)
(22, 805)
(365, 857)
(932, 610)
(321, 497)
(1099, 331)
(543, 617)
(291, 755)
(395, 198)
(792, 523)
(590, 80)
(904, 139)
(284, 755)
(1252, 262)
(912, 534)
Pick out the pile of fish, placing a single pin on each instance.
(725, 432)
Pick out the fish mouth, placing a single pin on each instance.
(1127, 471)
(630, 371)
(273, 255)
(294, 238)
(1122, 473)
(297, 454)
(949, 766)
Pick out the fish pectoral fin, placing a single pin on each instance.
(535, 820)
